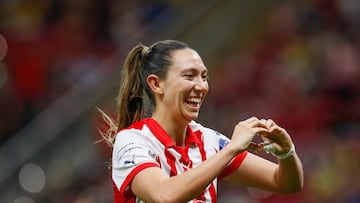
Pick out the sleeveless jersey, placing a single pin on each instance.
(145, 144)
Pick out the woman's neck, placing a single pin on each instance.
(176, 131)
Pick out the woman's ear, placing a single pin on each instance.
(154, 83)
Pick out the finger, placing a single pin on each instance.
(248, 121)
(260, 123)
(253, 147)
(260, 130)
(280, 141)
(271, 137)
(277, 130)
(264, 121)
(264, 137)
(253, 122)
(252, 119)
(270, 123)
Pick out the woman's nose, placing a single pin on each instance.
(201, 85)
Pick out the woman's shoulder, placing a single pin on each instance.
(135, 131)
(197, 126)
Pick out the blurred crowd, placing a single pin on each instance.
(302, 71)
(300, 68)
(52, 44)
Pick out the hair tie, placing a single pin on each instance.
(145, 51)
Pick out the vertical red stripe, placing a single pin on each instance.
(170, 159)
(201, 146)
(212, 191)
(184, 159)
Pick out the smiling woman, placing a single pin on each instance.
(183, 89)
(166, 156)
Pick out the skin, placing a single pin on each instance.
(187, 78)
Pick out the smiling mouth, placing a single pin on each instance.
(194, 102)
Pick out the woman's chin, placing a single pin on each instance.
(192, 116)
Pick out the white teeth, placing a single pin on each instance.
(194, 100)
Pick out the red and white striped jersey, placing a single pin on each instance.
(145, 144)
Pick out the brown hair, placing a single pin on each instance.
(140, 62)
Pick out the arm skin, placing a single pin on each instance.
(152, 185)
(284, 177)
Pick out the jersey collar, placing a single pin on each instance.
(191, 136)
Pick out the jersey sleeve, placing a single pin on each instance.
(131, 154)
(220, 141)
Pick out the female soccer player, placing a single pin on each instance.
(161, 154)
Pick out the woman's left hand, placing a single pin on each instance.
(277, 137)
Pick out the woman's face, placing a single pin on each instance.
(185, 86)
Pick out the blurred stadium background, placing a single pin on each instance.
(294, 61)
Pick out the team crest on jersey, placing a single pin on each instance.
(222, 143)
(152, 155)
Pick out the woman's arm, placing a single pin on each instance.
(257, 172)
(152, 185)
(284, 177)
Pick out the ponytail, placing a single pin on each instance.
(139, 63)
(130, 97)
(131, 93)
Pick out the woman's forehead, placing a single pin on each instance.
(187, 59)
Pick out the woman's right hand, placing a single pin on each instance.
(244, 133)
